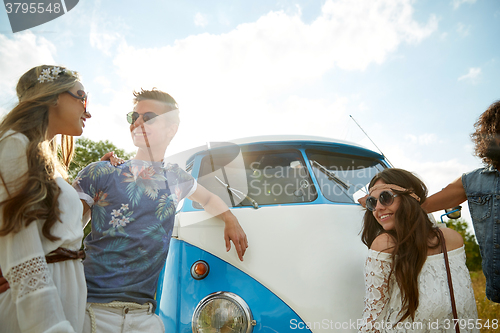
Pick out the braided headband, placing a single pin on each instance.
(395, 188)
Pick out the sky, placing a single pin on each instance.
(415, 75)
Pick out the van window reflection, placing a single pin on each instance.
(342, 178)
(272, 177)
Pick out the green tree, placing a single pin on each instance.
(473, 257)
(88, 151)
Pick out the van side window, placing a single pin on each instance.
(267, 177)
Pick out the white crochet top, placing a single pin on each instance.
(434, 314)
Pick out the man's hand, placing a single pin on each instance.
(216, 207)
(4, 285)
(234, 232)
(112, 158)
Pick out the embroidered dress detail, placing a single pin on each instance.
(29, 276)
(377, 288)
(383, 297)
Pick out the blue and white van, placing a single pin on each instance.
(296, 199)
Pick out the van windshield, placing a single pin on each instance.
(342, 178)
(264, 177)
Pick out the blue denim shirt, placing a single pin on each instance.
(482, 187)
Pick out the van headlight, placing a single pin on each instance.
(222, 312)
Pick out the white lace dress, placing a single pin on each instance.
(42, 297)
(434, 314)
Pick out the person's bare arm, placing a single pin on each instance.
(216, 207)
(449, 197)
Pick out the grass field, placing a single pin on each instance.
(487, 310)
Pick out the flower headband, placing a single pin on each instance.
(49, 75)
(395, 188)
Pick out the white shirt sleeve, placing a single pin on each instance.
(33, 294)
(377, 269)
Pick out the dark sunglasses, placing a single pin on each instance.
(148, 116)
(82, 95)
(386, 198)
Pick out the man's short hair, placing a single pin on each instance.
(157, 95)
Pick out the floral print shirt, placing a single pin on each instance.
(133, 209)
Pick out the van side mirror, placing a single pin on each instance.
(454, 213)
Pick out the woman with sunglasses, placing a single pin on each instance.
(405, 275)
(40, 213)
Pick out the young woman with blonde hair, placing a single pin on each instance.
(40, 213)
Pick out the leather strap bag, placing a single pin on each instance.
(450, 284)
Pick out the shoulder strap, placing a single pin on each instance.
(450, 284)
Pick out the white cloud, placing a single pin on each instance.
(3, 111)
(422, 139)
(458, 3)
(103, 81)
(362, 107)
(437, 175)
(200, 20)
(108, 125)
(103, 30)
(18, 54)
(245, 76)
(102, 40)
(278, 50)
(463, 30)
(472, 76)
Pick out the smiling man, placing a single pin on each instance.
(133, 208)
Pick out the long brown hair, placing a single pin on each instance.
(36, 197)
(412, 234)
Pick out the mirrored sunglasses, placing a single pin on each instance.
(146, 117)
(386, 198)
(81, 95)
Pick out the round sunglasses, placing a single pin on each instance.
(146, 117)
(386, 198)
(82, 95)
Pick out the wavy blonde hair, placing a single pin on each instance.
(36, 198)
